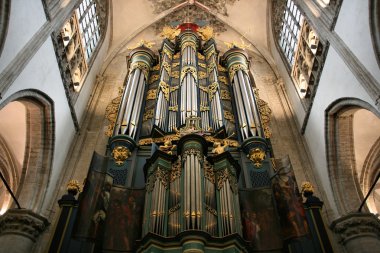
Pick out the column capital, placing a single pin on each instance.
(355, 225)
(23, 222)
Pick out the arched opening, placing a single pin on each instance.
(353, 148)
(26, 145)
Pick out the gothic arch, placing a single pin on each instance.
(340, 152)
(374, 21)
(31, 184)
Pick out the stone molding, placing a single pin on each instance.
(355, 225)
(23, 222)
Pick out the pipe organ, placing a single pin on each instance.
(190, 158)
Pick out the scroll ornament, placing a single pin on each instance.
(257, 156)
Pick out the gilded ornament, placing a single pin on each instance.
(204, 108)
(173, 108)
(225, 95)
(203, 65)
(176, 170)
(165, 88)
(221, 69)
(236, 67)
(143, 43)
(189, 44)
(189, 69)
(174, 88)
(212, 88)
(307, 187)
(168, 147)
(203, 88)
(142, 66)
(177, 56)
(257, 156)
(230, 143)
(224, 175)
(209, 171)
(170, 32)
(206, 32)
(120, 154)
(153, 78)
(167, 67)
(210, 67)
(219, 147)
(157, 67)
(202, 75)
(151, 94)
(241, 45)
(200, 56)
(223, 79)
(148, 115)
(175, 74)
(175, 64)
(229, 116)
(265, 113)
(209, 54)
(112, 111)
(167, 52)
(73, 186)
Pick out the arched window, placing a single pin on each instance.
(300, 47)
(77, 42)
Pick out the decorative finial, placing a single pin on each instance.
(73, 187)
(307, 188)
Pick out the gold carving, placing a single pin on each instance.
(167, 67)
(209, 54)
(176, 170)
(229, 116)
(234, 43)
(307, 187)
(73, 186)
(230, 143)
(189, 69)
(203, 88)
(210, 67)
(225, 95)
(257, 156)
(167, 52)
(174, 88)
(204, 108)
(153, 78)
(170, 32)
(177, 56)
(219, 147)
(173, 108)
(151, 94)
(221, 69)
(175, 74)
(175, 64)
(206, 32)
(157, 67)
(120, 154)
(168, 147)
(165, 89)
(224, 175)
(200, 56)
(237, 67)
(143, 43)
(209, 171)
(265, 113)
(148, 115)
(111, 112)
(202, 75)
(223, 79)
(189, 44)
(212, 88)
(142, 66)
(203, 65)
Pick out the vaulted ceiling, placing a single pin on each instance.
(240, 21)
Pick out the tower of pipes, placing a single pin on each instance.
(189, 166)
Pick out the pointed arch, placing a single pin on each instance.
(340, 152)
(31, 186)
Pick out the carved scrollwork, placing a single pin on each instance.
(173, 108)
(225, 95)
(167, 52)
(175, 64)
(158, 174)
(221, 68)
(203, 65)
(148, 114)
(142, 66)
(236, 67)
(175, 74)
(224, 175)
(257, 156)
(200, 56)
(176, 170)
(151, 94)
(209, 171)
(189, 69)
(202, 75)
(120, 154)
(229, 116)
(212, 88)
(223, 79)
(192, 151)
(153, 78)
(210, 67)
(165, 88)
(265, 113)
(167, 67)
(112, 111)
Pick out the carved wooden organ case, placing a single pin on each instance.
(191, 129)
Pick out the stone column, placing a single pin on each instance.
(19, 230)
(358, 232)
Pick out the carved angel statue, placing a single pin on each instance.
(219, 147)
(170, 32)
